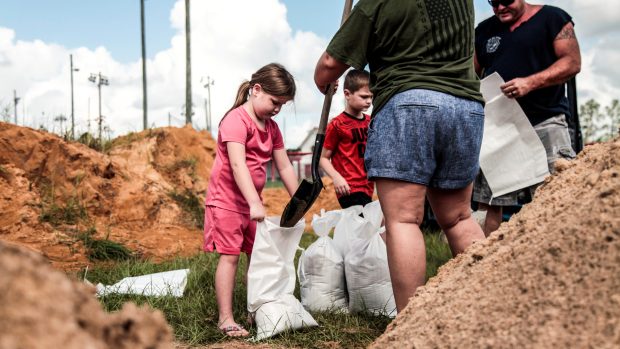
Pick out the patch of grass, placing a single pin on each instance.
(71, 213)
(274, 184)
(437, 251)
(194, 316)
(189, 163)
(103, 250)
(192, 205)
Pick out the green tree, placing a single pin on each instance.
(613, 113)
(590, 116)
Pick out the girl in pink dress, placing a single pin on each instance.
(247, 139)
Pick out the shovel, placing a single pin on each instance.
(308, 191)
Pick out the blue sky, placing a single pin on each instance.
(230, 40)
(115, 24)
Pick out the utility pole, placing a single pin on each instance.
(188, 68)
(99, 80)
(207, 85)
(144, 104)
(15, 101)
(72, 109)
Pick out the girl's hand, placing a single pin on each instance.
(257, 211)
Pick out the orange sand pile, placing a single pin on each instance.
(41, 308)
(549, 278)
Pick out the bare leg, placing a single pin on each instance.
(403, 206)
(494, 218)
(224, 286)
(452, 209)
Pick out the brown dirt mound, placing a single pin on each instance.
(41, 308)
(549, 278)
(125, 195)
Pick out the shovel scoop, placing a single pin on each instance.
(307, 192)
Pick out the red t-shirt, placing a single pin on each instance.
(346, 137)
(239, 127)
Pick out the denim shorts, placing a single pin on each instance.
(554, 136)
(426, 137)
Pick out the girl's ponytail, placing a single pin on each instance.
(273, 78)
(242, 96)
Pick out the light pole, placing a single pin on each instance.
(207, 85)
(188, 68)
(72, 110)
(99, 80)
(144, 104)
(15, 101)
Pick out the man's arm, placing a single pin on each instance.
(328, 69)
(340, 184)
(565, 67)
(477, 66)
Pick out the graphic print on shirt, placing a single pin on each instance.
(493, 44)
(358, 138)
(450, 20)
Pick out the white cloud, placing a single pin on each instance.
(229, 45)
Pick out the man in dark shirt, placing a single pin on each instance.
(534, 49)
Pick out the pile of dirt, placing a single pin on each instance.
(144, 193)
(549, 278)
(41, 308)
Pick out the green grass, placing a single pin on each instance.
(103, 249)
(71, 213)
(194, 316)
(192, 205)
(274, 184)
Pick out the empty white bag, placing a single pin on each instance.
(321, 268)
(365, 264)
(271, 280)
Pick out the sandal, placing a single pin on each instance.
(234, 328)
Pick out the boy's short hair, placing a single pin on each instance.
(356, 79)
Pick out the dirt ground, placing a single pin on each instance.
(548, 278)
(41, 308)
(125, 194)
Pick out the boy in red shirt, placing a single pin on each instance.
(345, 143)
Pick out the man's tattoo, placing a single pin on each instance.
(566, 33)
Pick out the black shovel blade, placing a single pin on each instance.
(300, 203)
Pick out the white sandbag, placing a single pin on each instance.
(366, 267)
(167, 283)
(271, 280)
(321, 268)
(342, 236)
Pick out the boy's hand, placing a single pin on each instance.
(257, 212)
(341, 186)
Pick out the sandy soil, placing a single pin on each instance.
(125, 193)
(548, 278)
(41, 308)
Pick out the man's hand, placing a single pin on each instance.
(257, 211)
(517, 88)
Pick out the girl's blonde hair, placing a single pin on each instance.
(273, 78)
